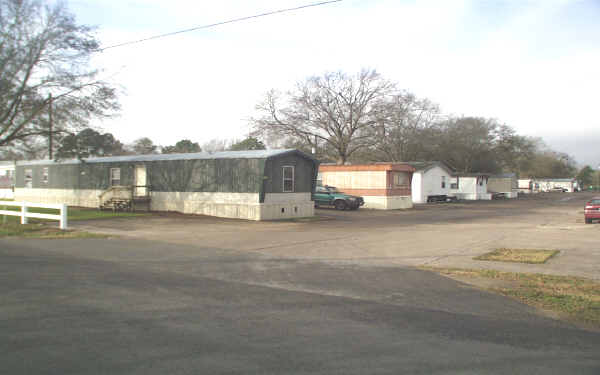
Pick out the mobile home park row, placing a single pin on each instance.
(253, 185)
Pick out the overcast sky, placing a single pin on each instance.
(533, 65)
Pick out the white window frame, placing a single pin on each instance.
(28, 181)
(114, 179)
(284, 179)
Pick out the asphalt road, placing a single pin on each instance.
(128, 306)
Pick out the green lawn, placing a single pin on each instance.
(10, 226)
(574, 298)
(73, 214)
(42, 231)
(518, 255)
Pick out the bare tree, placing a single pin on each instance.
(407, 130)
(44, 59)
(216, 145)
(337, 109)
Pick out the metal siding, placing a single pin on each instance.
(61, 177)
(245, 175)
(208, 175)
(305, 172)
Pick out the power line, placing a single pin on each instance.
(220, 23)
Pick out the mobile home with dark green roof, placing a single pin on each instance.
(254, 185)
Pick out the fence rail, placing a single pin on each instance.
(25, 214)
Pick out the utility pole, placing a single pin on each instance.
(50, 120)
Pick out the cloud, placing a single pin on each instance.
(524, 63)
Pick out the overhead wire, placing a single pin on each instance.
(220, 23)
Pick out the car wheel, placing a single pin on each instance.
(340, 205)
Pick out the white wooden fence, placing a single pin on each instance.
(24, 213)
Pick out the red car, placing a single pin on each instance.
(592, 210)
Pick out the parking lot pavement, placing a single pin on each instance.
(133, 306)
(443, 235)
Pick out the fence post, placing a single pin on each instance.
(24, 213)
(63, 217)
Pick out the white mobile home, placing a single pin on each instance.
(471, 186)
(527, 185)
(550, 184)
(504, 183)
(542, 185)
(430, 179)
(7, 179)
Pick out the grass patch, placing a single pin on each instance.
(42, 231)
(73, 214)
(518, 255)
(575, 298)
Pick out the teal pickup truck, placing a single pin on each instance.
(331, 196)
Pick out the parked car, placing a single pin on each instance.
(441, 198)
(559, 189)
(499, 196)
(331, 196)
(592, 210)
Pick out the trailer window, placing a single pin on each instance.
(400, 179)
(115, 176)
(28, 178)
(45, 176)
(288, 179)
(443, 182)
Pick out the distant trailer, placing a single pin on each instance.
(384, 186)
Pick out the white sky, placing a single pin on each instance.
(530, 64)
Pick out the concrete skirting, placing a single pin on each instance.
(228, 205)
(388, 202)
(70, 197)
(235, 205)
(473, 196)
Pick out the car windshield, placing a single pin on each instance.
(332, 189)
(594, 202)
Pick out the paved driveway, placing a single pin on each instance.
(445, 235)
(133, 306)
(177, 294)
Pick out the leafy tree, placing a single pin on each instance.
(249, 143)
(181, 147)
(338, 109)
(89, 142)
(513, 152)
(586, 176)
(467, 144)
(551, 164)
(144, 146)
(44, 52)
